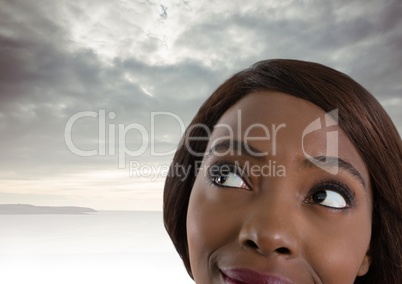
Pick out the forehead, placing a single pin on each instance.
(281, 124)
(272, 107)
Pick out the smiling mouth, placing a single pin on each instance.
(246, 276)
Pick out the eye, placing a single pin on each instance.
(227, 175)
(332, 195)
(329, 198)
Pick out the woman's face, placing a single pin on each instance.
(281, 197)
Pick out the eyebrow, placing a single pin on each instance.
(243, 148)
(336, 162)
(239, 146)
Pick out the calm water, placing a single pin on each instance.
(105, 247)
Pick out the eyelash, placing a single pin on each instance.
(337, 187)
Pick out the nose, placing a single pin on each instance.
(271, 228)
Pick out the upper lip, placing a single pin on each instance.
(248, 276)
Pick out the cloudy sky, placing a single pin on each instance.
(80, 80)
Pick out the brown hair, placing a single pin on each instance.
(361, 117)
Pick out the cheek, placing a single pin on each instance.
(337, 252)
(211, 225)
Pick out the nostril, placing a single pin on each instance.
(251, 244)
(283, 250)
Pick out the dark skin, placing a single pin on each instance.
(305, 224)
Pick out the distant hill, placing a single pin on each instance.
(32, 209)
